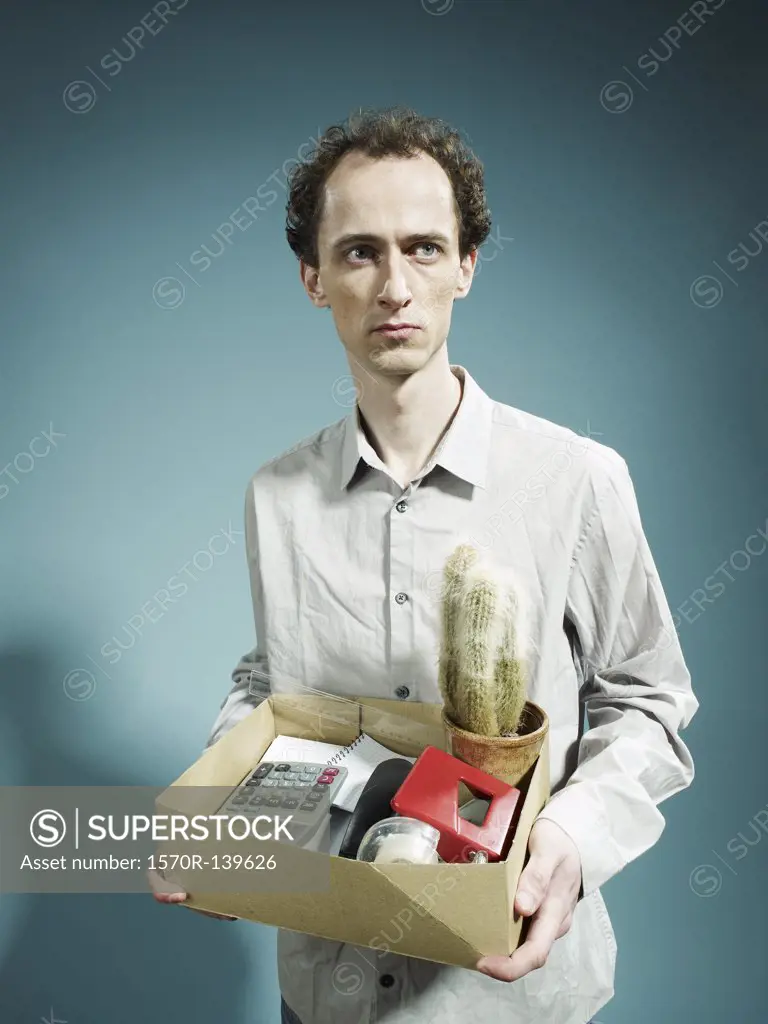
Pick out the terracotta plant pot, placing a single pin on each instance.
(506, 757)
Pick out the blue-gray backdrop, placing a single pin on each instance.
(623, 291)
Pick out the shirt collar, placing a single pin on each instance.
(464, 450)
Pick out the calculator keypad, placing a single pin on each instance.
(305, 790)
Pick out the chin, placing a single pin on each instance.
(399, 360)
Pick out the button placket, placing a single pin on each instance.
(402, 594)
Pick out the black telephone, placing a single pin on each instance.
(374, 802)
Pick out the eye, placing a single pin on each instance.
(357, 248)
(433, 245)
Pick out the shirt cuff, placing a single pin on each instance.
(580, 812)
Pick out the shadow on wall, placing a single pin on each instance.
(96, 958)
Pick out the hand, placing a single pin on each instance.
(548, 891)
(166, 891)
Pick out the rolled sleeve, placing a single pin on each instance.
(637, 690)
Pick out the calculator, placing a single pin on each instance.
(305, 791)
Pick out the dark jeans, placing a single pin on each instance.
(287, 1016)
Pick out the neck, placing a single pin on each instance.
(405, 418)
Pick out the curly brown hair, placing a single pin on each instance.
(394, 131)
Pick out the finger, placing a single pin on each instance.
(565, 927)
(534, 882)
(533, 953)
(170, 897)
(165, 890)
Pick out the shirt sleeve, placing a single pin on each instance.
(637, 690)
(251, 674)
(251, 686)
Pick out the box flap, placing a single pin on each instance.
(363, 907)
(404, 728)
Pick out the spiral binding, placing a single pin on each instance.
(345, 750)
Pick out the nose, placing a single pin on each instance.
(395, 290)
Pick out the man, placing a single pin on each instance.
(347, 534)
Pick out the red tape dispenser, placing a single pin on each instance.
(430, 793)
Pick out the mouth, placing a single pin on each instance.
(397, 330)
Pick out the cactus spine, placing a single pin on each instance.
(481, 672)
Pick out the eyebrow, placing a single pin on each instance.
(430, 236)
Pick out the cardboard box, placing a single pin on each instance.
(448, 913)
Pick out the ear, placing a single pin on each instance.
(465, 274)
(310, 278)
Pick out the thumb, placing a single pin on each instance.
(534, 880)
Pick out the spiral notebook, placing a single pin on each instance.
(359, 757)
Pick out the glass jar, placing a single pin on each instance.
(400, 840)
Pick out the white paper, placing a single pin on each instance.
(359, 758)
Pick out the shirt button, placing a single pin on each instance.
(386, 980)
(401, 598)
(401, 506)
(402, 692)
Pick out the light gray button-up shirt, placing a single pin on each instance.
(346, 570)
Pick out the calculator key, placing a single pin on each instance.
(306, 777)
(331, 771)
(290, 802)
(308, 805)
(257, 800)
(262, 770)
(269, 782)
(282, 767)
(291, 775)
(323, 781)
(253, 782)
(272, 801)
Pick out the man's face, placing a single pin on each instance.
(388, 252)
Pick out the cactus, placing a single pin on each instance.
(481, 672)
